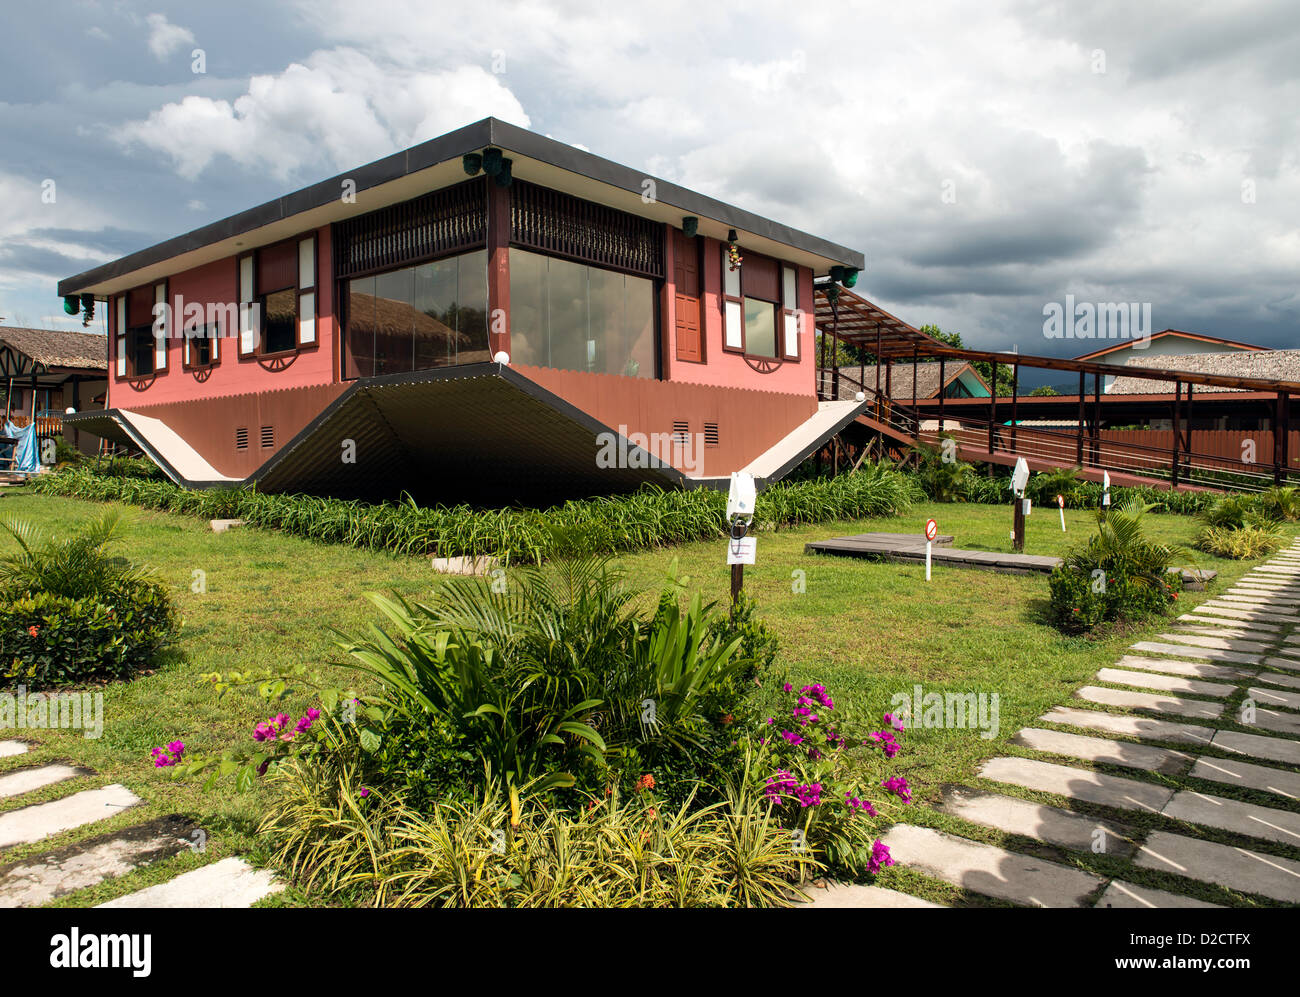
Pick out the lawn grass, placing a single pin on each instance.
(867, 630)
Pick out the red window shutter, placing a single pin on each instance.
(689, 332)
(139, 307)
(760, 277)
(277, 267)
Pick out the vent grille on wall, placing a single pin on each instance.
(710, 434)
(268, 437)
(241, 438)
(681, 433)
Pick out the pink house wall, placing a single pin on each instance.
(217, 282)
(730, 370)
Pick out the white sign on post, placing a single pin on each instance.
(1020, 477)
(931, 531)
(1105, 488)
(742, 551)
(1028, 505)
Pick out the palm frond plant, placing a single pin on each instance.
(559, 675)
(1120, 572)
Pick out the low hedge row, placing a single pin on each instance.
(650, 517)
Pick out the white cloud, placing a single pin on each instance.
(165, 37)
(338, 107)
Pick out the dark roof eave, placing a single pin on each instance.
(488, 131)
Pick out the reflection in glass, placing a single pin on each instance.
(575, 317)
(760, 328)
(360, 352)
(415, 318)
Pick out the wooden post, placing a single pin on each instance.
(1281, 430)
(916, 360)
(1079, 445)
(941, 393)
(1178, 396)
(1096, 420)
(1018, 524)
(1015, 390)
(737, 581)
(876, 400)
(993, 406)
(498, 250)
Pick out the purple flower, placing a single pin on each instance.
(898, 785)
(880, 857)
(363, 792)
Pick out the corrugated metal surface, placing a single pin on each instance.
(487, 437)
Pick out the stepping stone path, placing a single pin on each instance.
(1202, 718)
(52, 873)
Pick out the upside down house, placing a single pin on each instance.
(491, 316)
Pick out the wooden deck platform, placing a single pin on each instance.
(909, 548)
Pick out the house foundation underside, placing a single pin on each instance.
(481, 434)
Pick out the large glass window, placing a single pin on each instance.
(760, 328)
(575, 317)
(431, 315)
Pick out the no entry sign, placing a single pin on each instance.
(931, 529)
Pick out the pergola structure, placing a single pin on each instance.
(845, 317)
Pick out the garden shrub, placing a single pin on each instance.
(1118, 574)
(1250, 540)
(71, 611)
(504, 850)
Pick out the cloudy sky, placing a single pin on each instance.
(988, 158)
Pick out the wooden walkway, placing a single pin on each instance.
(909, 548)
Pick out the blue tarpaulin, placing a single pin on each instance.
(28, 448)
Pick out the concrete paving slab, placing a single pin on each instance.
(1226, 865)
(1221, 643)
(27, 780)
(1077, 784)
(1097, 749)
(1126, 895)
(858, 895)
(1266, 823)
(1164, 683)
(39, 880)
(1208, 618)
(991, 871)
(1186, 651)
(1276, 661)
(1278, 678)
(1052, 825)
(1271, 749)
(230, 882)
(9, 748)
(1195, 669)
(1275, 697)
(1236, 611)
(1155, 702)
(1275, 720)
(22, 827)
(1247, 775)
(1147, 728)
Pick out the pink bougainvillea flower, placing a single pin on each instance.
(898, 785)
(892, 721)
(880, 857)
